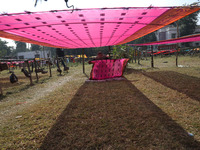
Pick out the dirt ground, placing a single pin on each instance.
(116, 116)
(148, 109)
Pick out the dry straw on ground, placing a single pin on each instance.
(151, 109)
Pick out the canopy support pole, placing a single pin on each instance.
(135, 55)
(138, 55)
(83, 60)
(152, 62)
(49, 62)
(36, 70)
(146, 54)
(177, 45)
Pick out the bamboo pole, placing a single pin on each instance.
(138, 55)
(58, 63)
(135, 55)
(36, 70)
(152, 62)
(31, 82)
(146, 54)
(50, 74)
(32, 66)
(177, 45)
(83, 60)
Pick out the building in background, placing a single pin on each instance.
(170, 32)
(33, 54)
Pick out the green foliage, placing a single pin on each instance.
(188, 24)
(4, 49)
(122, 51)
(145, 39)
(87, 51)
(20, 46)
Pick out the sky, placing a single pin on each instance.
(14, 6)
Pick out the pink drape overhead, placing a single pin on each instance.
(86, 28)
(191, 38)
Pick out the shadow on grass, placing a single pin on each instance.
(86, 75)
(182, 83)
(115, 115)
(12, 88)
(2, 97)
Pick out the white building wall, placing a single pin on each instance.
(33, 54)
(169, 30)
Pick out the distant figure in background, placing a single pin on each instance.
(100, 56)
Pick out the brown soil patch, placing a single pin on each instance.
(183, 83)
(115, 115)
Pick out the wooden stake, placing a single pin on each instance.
(135, 55)
(152, 62)
(31, 82)
(50, 74)
(58, 63)
(146, 54)
(83, 60)
(36, 70)
(138, 55)
(177, 45)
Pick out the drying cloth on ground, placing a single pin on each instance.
(108, 68)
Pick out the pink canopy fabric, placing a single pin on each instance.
(86, 28)
(108, 68)
(190, 38)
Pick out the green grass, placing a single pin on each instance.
(142, 112)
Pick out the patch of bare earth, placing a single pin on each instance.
(115, 115)
(137, 113)
(176, 94)
(183, 83)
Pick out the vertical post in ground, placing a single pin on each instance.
(177, 45)
(135, 55)
(31, 82)
(36, 69)
(50, 74)
(152, 62)
(146, 54)
(138, 54)
(83, 60)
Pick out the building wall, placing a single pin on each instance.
(33, 54)
(170, 32)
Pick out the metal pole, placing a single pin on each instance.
(152, 63)
(83, 60)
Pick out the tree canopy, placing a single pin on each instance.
(4, 49)
(188, 24)
(20, 46)
(35, 47)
